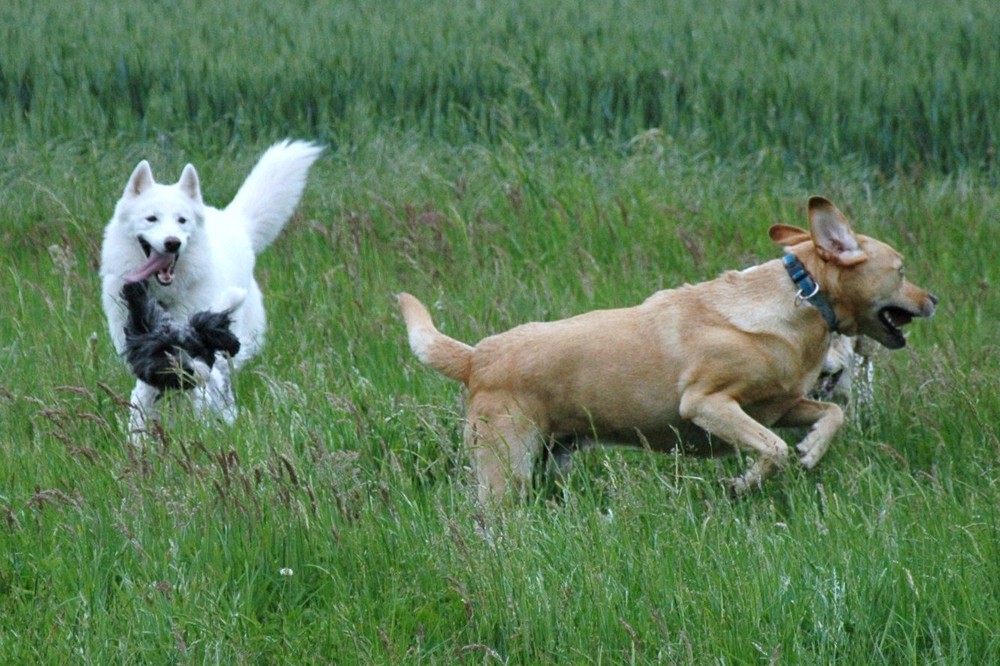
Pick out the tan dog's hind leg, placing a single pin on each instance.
(824, 419)
(503, 445)
(723, 417)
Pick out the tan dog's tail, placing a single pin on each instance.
(446, 355)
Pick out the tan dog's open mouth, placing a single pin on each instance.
(893, 319)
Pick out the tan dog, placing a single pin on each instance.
(703, 367)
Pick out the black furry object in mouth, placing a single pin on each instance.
(163, 351)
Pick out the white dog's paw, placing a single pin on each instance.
(230, 299)
(216, 396)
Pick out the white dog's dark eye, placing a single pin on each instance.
(151, 218)
(182, 220)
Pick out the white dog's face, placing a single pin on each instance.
(162, 219)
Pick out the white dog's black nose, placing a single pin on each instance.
(172, 244)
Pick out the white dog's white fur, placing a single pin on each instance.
(197, 257)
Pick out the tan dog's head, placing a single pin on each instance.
(860, 276)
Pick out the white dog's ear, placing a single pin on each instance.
(190, 184)
(140, 180)
(832, 235)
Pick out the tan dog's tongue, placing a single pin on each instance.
(156, 263)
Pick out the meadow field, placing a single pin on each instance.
(505, 162)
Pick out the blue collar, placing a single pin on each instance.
(809, 289)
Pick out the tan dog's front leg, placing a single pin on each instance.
(824, 419)
(722, 417)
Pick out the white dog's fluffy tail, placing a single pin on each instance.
(271, 192)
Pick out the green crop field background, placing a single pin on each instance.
(505, 162)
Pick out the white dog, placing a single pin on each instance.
(200, 258)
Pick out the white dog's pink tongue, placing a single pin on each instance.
(156, 263)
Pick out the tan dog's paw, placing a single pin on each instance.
(809, 457)
(812, 449)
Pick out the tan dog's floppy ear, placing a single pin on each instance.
(832, 235)
(786, 235)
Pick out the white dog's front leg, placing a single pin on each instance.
(143, 410)
(215, 395)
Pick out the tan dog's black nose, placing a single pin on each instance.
(928, 310)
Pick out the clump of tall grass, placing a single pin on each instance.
(894, 84)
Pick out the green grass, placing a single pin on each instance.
(899, 84)
(465, 182)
